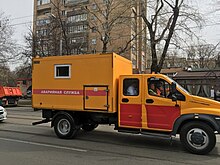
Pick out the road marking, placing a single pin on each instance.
(43, 145)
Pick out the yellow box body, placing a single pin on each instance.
(91, 83)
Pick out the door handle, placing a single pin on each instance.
(125, 100)
(149, 100)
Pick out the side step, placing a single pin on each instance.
(41, 122)
(133, 131)
(144, 132)
(154, 134)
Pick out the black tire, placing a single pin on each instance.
(198, 137)
(65, 127)
(89, 126)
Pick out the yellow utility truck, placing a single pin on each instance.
(82, 91)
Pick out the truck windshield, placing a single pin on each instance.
(179, 86)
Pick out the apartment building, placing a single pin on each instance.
(69, 27)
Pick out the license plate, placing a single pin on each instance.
(11, 101)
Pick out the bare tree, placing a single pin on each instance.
(7, 78)
(166, 19)
(8, 46)
(28, 51)
(50, 34)
(59, 23)
(9, 51)
(108, 19)
(23, 71)
(204, 55)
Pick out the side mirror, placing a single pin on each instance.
(173, 88)
(174, 98)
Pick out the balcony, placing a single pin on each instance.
(76, 2)
(44, 6)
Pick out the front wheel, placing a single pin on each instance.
(198, 137)
(65, 127)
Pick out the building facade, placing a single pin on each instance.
(68, 27)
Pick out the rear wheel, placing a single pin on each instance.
(198, 137)
(65, 126)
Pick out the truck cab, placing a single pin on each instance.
(162, 106)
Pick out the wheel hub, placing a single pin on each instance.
(197, 138)
(63, 126)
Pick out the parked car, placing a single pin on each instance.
(3, 114)
(29, 92)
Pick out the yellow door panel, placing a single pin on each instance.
(96, 98)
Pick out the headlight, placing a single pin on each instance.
(3, 109)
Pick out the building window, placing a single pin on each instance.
(93, 17)
(62, 71)
(76, 1)
(77, 40)
(42, 2)
(77, 29)
(94, 6)
(106, 2)
(63, 12)
(73, 40)
(133, 49)
(43, 32)
(43, 22)
(94, 29)
(93, 41)
(77, 18)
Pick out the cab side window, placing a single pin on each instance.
(158, 87)
(131, 87)
(161, 88)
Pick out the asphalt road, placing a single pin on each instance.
(24, 144)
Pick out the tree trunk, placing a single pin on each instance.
(104, 48)
(171, 30)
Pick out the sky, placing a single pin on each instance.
(210, 10)
(20, 13)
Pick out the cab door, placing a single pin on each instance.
(161, 111)
(130, 103)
